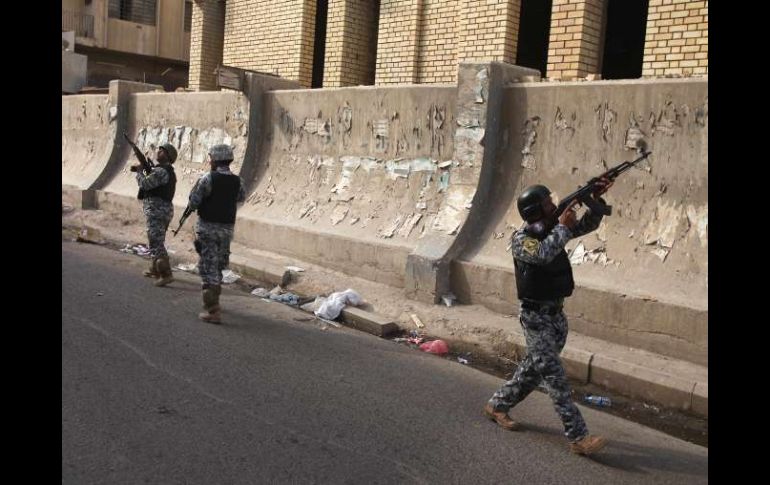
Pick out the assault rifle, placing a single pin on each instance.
(146, 164)
(185, 215)
(583, 195)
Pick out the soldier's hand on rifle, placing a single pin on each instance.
(602, 186)
(135, 168)
(568, 217)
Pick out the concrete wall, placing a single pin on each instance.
(415, 186)
(654, 248)
(92, 149)
(86, 138)
(190, 121)
(352, 175)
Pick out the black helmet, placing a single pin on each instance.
(530, 202)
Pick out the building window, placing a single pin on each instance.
(534, 28)
(624, 39)
(319, 45)
(139, 11)
(374, 28)
(188, 16)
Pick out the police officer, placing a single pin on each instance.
(215, 196)
(543, 280)
(156, 191)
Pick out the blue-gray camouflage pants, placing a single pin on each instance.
(214, 250)
(158, 214)
(546, 336)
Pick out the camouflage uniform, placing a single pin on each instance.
(158, 212)
(546, 334)
(213, 238)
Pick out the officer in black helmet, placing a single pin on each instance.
(156, 191)
(543, 280)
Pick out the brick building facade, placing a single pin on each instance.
(387, 42)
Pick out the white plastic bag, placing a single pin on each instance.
(229, 277)
(333, 305)
(261, 292)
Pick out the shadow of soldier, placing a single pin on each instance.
(622, 455)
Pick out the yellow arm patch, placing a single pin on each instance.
(531, 245)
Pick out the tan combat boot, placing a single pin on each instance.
(500, 418)
(211, 308)
(164, 270)
(588, 445)
(153, 271)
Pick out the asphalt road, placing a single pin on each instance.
(150, 394)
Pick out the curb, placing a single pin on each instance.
(262, 271)
(641, 382)
(368, 322)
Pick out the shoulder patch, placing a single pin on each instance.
(530, 245)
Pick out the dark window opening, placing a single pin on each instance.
(534, 27)
(371, 71)
(139, 11)
(188, 16)
(319, 45)
(624, 39)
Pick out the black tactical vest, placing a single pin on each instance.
(544, 281)
(220, 205)
(165, 191)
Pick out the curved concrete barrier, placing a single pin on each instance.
(465, 208)
(415, 186)
(91, 125)
(642, 277)
(350, 178)
(86, 139)
(192, 122)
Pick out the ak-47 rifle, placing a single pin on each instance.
(583, 195)
(185, 215)
(146, 164)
